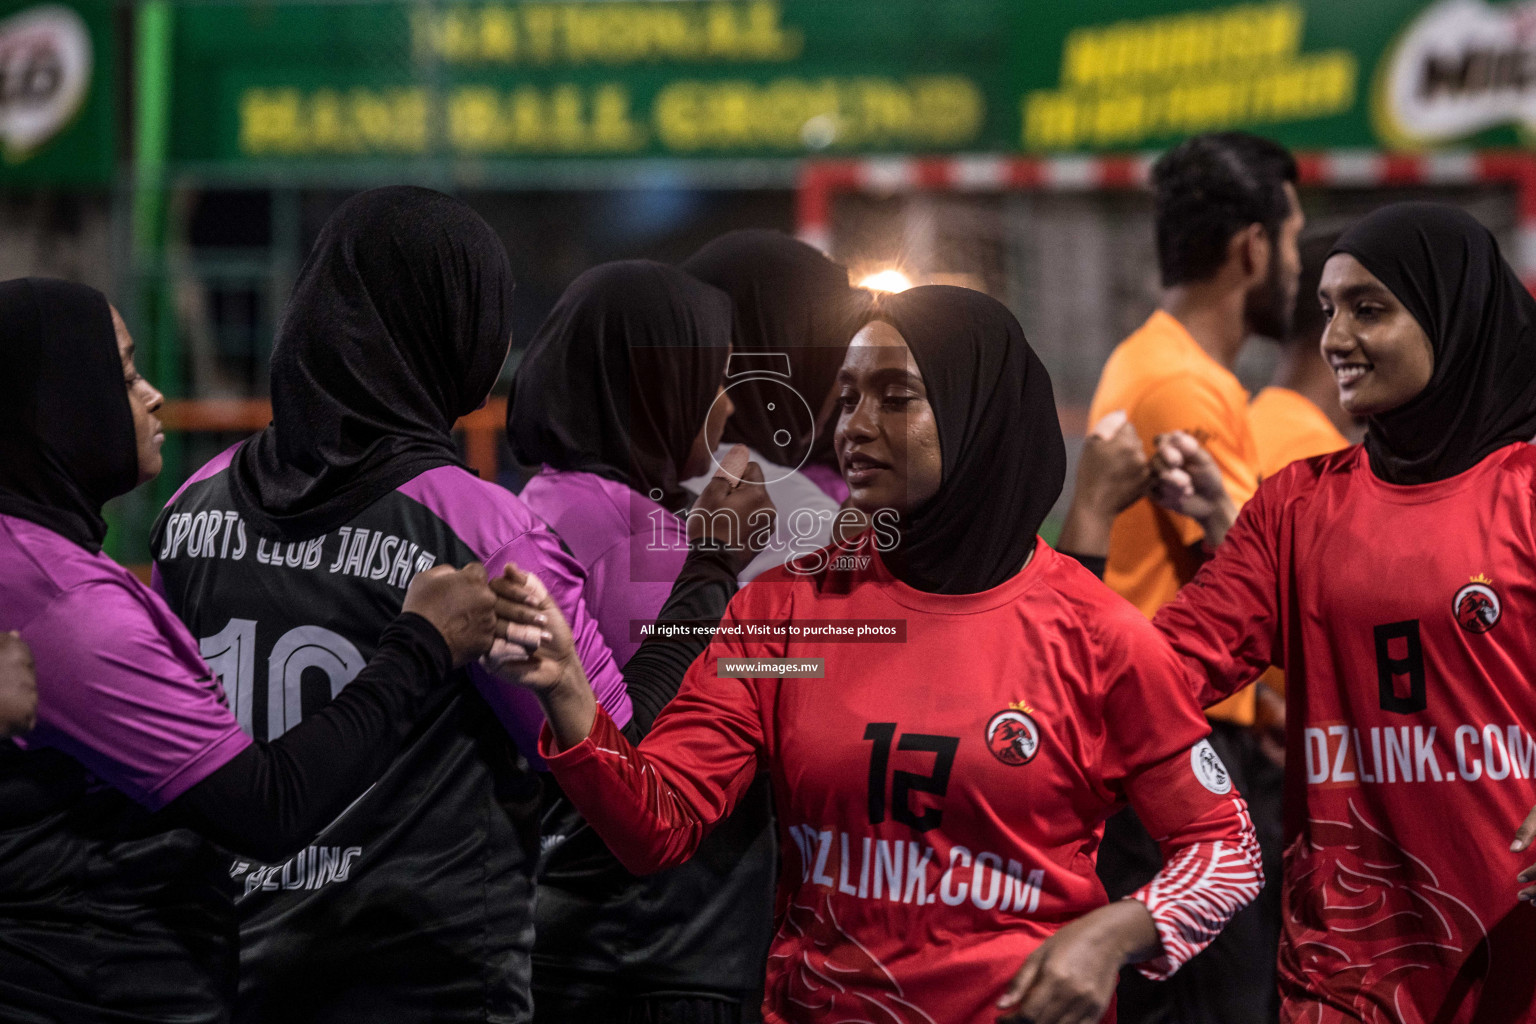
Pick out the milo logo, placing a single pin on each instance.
(45, 75)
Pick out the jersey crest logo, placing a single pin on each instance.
(1209, 769)
(1012, 735)
(1477, 606)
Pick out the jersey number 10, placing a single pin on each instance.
(231, 653)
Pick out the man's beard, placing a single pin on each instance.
(1267, 309)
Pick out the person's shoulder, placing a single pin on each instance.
(35, 560)
(1513, 468)
(1304, 474)
(1182, 381)
(1522, 459)
(1160, 342)
(107, 600)
(570, 485)
(1301, 488)
(1139, 357)
(73, 596)
(1160, 371)
(586, 503)
(208, 471)
(1273, 401)
(1086, 596)
(1109, 628)
(205, 491)
(481, 513)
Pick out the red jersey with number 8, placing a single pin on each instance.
(1405, 619)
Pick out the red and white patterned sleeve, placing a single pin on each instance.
(1156, 755)
(1211, 862)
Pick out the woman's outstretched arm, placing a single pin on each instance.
(652, 804)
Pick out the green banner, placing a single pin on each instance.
(616, 79)
(1388, 74)
(57, 78)
(498, 81)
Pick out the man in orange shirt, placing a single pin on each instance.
(1227, 221)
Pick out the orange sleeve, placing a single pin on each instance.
(1195, 407)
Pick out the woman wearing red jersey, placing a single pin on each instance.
(940, 795)
(1395, 582)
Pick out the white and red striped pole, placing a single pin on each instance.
(821, 180)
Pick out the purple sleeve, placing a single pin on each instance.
(123, 690)
(630, 583)
(539, 552)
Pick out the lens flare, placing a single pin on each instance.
(888, 280)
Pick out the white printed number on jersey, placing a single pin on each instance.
(1208, 768)
(231, 653)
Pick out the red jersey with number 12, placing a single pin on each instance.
(940, 800)
(1405, 619)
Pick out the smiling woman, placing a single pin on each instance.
(1443, 335)
(1393, 585)
(1380, 355)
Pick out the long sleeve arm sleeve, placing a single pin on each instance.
(699, 598)
(1225, 624)
(1156, 756)
(1211, 862)
(653, 804)
(271, 798)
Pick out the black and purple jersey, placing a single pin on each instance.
(416, 903)
(107, 911)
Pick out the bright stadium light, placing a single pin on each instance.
(888, 280)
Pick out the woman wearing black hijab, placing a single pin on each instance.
(618, 398)
(1394, 583)
(794, 314)
(287, 554)
(788, 299)
(941, 785)
(110, 911)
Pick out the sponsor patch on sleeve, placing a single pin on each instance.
(1207, 766)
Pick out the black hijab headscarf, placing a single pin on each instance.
(398, 325)
(620, 377)
(999, 438)
(788, 298)
(1445, 268)
(67, 441)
